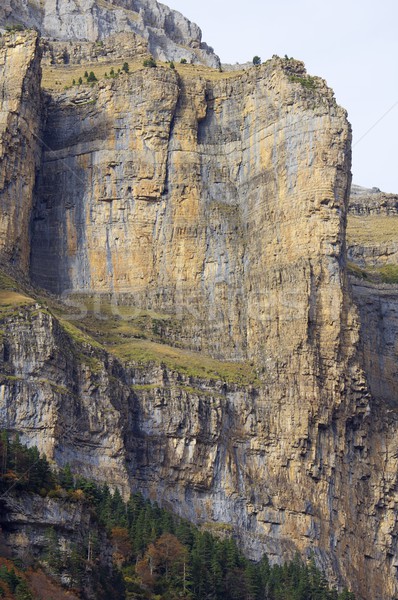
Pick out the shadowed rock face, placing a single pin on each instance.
(169, 34)
(20, 121)
(373, 249)
(220, 199)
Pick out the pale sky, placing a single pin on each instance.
(353, 44)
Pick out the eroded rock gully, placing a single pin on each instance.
(221, 199)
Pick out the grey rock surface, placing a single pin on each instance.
(169, 34)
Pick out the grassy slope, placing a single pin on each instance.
(57, 77)
(128, 333)
(372, 231)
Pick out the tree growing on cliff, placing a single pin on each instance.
(256, 60)
(126, 67)
(149, 62)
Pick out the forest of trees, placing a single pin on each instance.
(158, 555)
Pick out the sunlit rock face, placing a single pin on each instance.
(219, 199)
(188, 193)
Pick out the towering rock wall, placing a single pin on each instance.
(186, 193)
(20, 122)
(221, 200)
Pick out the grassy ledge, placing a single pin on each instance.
(386, 274)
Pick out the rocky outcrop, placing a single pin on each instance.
(20, 122)
(62, 396)
(170, 36)
(45, 533)
(372, 233)
(378, 308)
(367, 202)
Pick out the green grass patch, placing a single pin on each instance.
(138, 336)
(188, 363)
(388, 273)
(371, 230)
(77, 335)
(146, 387)
(357, 271)
(7, 283)
(10, 378)
(307, 82)
(384, 274)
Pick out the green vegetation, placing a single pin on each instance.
(256, 61)
(158, 555)
(126, 67)
(135, 335)
(11, 298)
(191, 364)
(371, 230)
(307, 82)
(388, 273)
(172, 65)
(183, 61)
(7, 283)
(149, 62)
(22, 468)
(385, 274)
(91, 77)
(15, 27)
(78, 335)
(11, 583)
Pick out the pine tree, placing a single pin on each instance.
(66, 478)
(4, 450)
(53, 554)
(22, 591)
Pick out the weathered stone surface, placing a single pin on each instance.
(372, 234)
(366, 202)
(20, 120)
(62, 397)
(307, 473)
(220, 199)
(179, 189)
(169, 34)
(378, 308)
(26, 520)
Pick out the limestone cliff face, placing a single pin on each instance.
(308, 474)
(221, 201)
(373, 247)
(20, 121)
(51, 384)
(169, 34)
(372, 228)
(179, 190)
